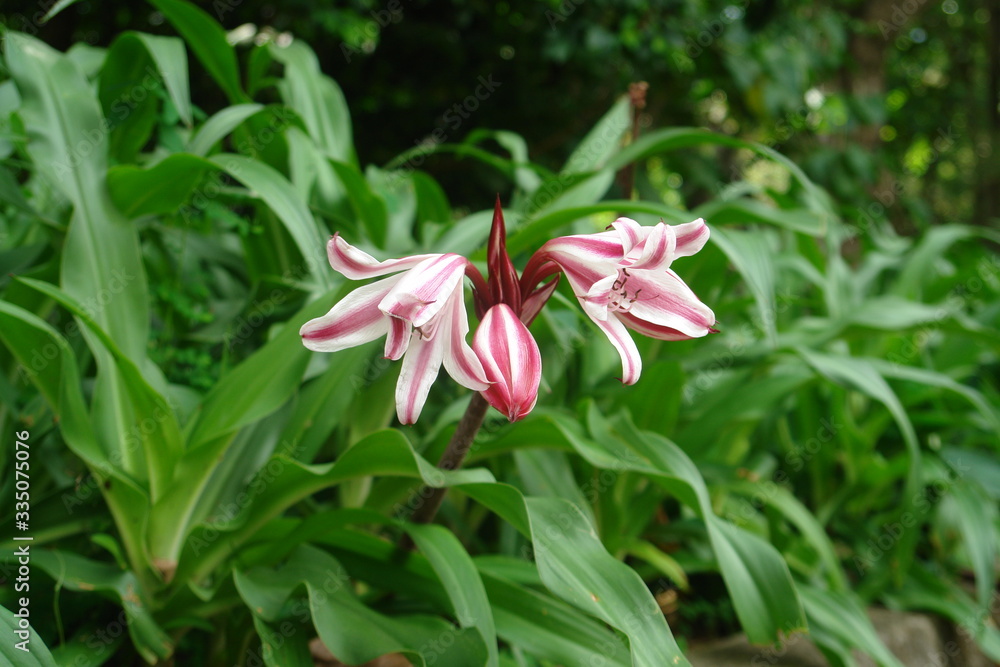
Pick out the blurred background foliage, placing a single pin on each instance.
(891, 102)
(835, 447)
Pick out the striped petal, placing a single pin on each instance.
(511, 360)
(421, 364)
(651, 330)
(460, 360)
(424, 290)
(630, 233)
(620, 338)
(691, 237)
(657, 251)
(595, 249)
(662, 298)
(398, 337)
(358, 265)
(538, 298)
(355, 320)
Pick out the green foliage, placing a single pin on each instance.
(237, 496)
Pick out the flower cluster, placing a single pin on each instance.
(622, 278)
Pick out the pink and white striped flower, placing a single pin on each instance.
(511, 360)
(420, 311)
(623, 280)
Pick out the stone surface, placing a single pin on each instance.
(735, 651)
(916, 639)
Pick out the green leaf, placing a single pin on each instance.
(548, 473)
(798, 515)
(159, 189)
(839, 615)
(275, 190)
(893, 313)
(129, 92)
(751, 252)
(977, 525)
(48, 361)
(758, 580)
(208, 41)
(934, 591)
(220, 126)
(603, 140)
(34, 653)
(661, 561)
(317, 99)
(10, 192)
(932, 378)
(101, 262)
(863, 376)
(743, 211)
(286, 481)
(660, 141)
(253, 390)
(460, 579)
(920, 263)
(80, 574)
(353, 632)
(284, 644)
(575, 566)
(369, 209)
(56, 8)
(548, 628)
(170, 59)
(153, 425)
(526, 616)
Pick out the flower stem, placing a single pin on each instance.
(454, 455)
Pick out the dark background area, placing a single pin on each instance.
(893, 106)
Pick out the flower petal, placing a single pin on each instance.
(354, 320)
(630, 233)
(398, 338)
(595, 301)
(662, 298)
(591, 249)
(620, 338)
(460, 360)
(358, 265)
(511, 360)
(657, 251)
(651, 330)
(421, 364)
(532, 305)
(691, 237)
(423, 291)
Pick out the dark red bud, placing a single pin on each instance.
(503, 281)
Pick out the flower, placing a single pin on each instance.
(511, 360)
(623, 280)
(506, 306)
(421, 311)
